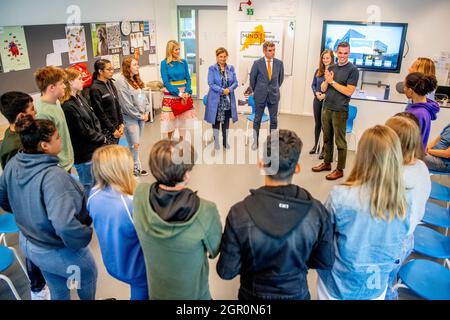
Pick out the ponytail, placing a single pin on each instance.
(420, 83)
(32, 132)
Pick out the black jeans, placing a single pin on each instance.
(37, 281)
(317, 105)
(225, 126)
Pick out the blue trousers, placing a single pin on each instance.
(259, 111)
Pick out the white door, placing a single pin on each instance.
(212, 34)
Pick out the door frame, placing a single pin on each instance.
(197, 60)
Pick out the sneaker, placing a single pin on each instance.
(143, 173)
(44, 294)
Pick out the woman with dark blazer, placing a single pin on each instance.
(326, 59)
(221, 101)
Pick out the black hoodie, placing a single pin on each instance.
(272, 238)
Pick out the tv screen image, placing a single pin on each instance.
(374, 47)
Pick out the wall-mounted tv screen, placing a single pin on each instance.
(374, 47)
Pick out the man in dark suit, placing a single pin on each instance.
(266, 77)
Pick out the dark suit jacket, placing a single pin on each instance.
(259, 81)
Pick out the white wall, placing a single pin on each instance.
(201, 2)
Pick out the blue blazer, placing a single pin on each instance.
(215, 91)
(263, 89)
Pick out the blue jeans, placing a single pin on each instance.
(133, 131)
(391, 293)
(139, 291)
(61, 266)
(84, 171)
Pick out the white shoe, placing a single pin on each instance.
(44, 294)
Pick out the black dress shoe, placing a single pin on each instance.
(322, 155)
(313, 150)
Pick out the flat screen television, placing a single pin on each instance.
(374, 47)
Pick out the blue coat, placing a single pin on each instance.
(216, 89)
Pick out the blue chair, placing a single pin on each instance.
(440, 192)
(437, 215)
(123, 141)
(432, 244)
(205, 99)
(432, 172)
(426, 279)
(7, 225)
(251, 117)
(6, 260)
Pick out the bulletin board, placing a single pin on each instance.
(40, 43)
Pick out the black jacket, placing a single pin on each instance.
(272, 238)
(105, 102)
(85, 131)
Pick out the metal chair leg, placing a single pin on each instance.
(20, 262)
(11, 286)
(246, 133)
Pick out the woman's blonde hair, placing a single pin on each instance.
(425, 66)
(378, 166)
(71, 74)
(220, 51)
(113, 166)
(410, 137)
(134, 80)
(171, 45)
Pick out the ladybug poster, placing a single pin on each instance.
(13, 49)
(76, 39)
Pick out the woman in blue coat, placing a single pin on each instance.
(221, 102)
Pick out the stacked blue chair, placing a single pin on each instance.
(440, 192)
(431, 243)
(437, 215)
(426, 279)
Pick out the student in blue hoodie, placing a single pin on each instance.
(417, 86)
(111, 208)
(50, 210)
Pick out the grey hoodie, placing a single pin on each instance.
(134, 102)
(48, 203)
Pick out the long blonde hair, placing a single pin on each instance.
(378, 166)
(425, 66)
(171, 45)
(409, 135)
(71, 74)
(113, 166)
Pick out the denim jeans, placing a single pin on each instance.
(133, 131)
(84, 171)
(139, 291)
(60, 266)
(436, 163)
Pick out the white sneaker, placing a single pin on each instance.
(44, 294)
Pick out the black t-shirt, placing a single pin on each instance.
(345, 75)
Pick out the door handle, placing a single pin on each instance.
(201, 61)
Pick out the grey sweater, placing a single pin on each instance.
(134, 102)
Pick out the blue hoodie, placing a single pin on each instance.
(113, 223)
(425, 113)
(48, 203)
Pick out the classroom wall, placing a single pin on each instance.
(23, 12)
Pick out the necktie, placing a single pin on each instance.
(269, 69)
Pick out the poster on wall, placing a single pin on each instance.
(76, 39)
(135, 27)
(146, 41)
(13, 49)
(116, 61)
(126, 48)
(251, 36)
(139, 39)
(146, 28)
(99, 39)
(113, 35)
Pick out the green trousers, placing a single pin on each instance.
(334, 125)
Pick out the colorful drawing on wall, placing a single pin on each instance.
(135, 27)
(141, 27)
(152, 50)
(76, 39)
(126, 48)
(146, 28)
(116, 61)
(146, 41)
(13, 49)
(113, 35)
(133, 41)
(99, 39)
(139, 39)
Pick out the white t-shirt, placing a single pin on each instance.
(418, 188)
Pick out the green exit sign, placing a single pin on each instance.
(250, 11)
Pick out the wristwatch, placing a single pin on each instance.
(333, 82)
